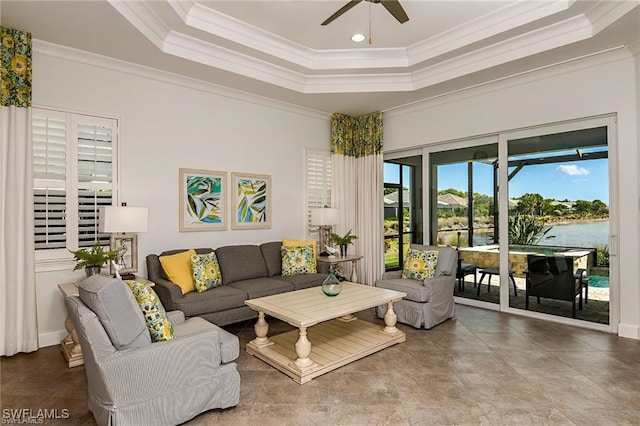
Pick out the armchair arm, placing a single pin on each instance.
(442, 288)
(175, 317)
(142, 374)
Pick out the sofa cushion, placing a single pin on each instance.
(297, 260)
(259, 287)
(160, 328)
(242, 262)
(273, 260)
(206, 271)
(216, 299)
(416, 290)
(420, 264)
(303, 281)
(447, 259)
(112, 301)
(178, 269)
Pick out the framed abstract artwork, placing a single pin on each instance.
(251, 201)
(203, 205)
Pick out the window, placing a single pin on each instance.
(74, 172)
(318, 181)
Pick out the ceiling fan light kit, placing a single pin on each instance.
(392, 6)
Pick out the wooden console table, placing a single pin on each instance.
(70, 345)
(348, 258)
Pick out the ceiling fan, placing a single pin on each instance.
(393, 6)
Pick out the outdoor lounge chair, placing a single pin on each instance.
(552, 277)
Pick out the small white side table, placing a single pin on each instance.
(348, 258)
(70, 345)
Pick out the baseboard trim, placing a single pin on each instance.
(52, 338)
(629, 330)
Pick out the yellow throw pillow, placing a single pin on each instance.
(420, 264)
(298, 243)
(178, 269)
(154, 314)
(297, 260)
(206, 271)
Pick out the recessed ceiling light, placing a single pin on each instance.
(358, 38)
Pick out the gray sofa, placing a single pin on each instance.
(248, 272)
(428, 302)
(132, 381)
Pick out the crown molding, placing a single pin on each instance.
(485, 26)
(112, 64)
(367, 61)
(572, 65)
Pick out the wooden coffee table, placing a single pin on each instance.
(336, 338)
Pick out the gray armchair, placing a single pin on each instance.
(132, 381)
(428, 302)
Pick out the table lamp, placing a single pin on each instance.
(123, 222)
(324, 218)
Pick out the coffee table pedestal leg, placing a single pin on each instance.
(390, 320)
(303, 350)
(261, 329)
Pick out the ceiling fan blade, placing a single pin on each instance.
(342, 10)
(394, 7)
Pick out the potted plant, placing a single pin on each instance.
(343, 241)
(92, 259)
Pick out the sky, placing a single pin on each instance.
(579, 180)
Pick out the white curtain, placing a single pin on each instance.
(358, 188)
(18, 326)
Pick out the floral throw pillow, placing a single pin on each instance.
(297, 260)
(154, 314)
(420, 264)
(206, 271)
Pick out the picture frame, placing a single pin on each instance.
(251, 201)
(203, 200)
(126, 245)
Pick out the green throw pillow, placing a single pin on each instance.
(154, 314)
(420, 264)
(206, 271)
(297, 260)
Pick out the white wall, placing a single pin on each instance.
(594, 86)
(167, 123)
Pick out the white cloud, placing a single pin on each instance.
(573, 170)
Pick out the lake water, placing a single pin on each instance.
(587, 234)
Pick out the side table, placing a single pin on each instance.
(70, 345)
(348, 258)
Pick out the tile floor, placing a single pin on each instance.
(484, 367)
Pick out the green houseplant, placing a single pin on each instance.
(343, 241)
(92, 259)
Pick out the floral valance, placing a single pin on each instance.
(356, 136)
(16, 68)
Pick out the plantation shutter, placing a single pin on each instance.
(94, 141)
(49, 135)
(73, 163)
(318, 181)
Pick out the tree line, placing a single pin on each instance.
(530, 204)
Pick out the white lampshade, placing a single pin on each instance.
(123, 219)
(325, 217)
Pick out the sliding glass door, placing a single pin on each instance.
(402, 208)
(533, 235)
(559, 224)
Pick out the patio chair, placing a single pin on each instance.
(552, 277)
